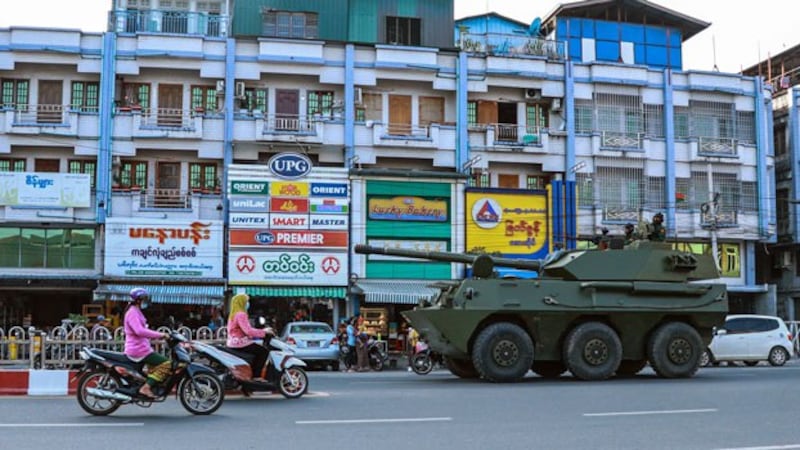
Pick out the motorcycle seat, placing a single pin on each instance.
(244, 355)
(113, 356)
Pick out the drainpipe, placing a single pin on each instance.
(762, 144)
(462, 140)
(669, 155)
(349, 106)
(569, 107)
(106, 110)
(227, 141)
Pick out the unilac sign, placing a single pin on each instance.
(289, 238)
(288, 221)
(288, 205)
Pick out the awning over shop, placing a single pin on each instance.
(293, 291)
(407, 292)
(175, 294)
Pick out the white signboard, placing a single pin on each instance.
(292, 268)
(249, 220)
(288, 221)
(328, 222)
(68, 190)
(163, 248)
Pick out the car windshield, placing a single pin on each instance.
(311, 328)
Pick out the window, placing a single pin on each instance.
(12, 165)
(85, 95)
(536, 117)
(431, 110)
(712, 119)
(403, 31)
(779, 139)
(620, 189)
(654, 120)
(584, 115)
(472, 113)
(255, 99)
(204, 98)
(479, 178)
(536, 181)
(136, 95)
(372, 106)
(15, 94)
(681, 122)
(133, 173)
(203, 176)
(286, 24)
(57, 248)
(84, 166)
(619, 113)
(585, 185)
(320, 102)
(745, 127)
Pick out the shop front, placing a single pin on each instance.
(179, 262)
(288, 239)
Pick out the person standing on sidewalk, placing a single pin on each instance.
(351, 346)
(361, 345)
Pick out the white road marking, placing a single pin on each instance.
(411, 419)
(769, 447)
(68, 425)
(645, 413)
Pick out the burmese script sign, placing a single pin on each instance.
(68, 190)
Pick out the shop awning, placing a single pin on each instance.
(175, 294)
(407, 292)
(293, 291)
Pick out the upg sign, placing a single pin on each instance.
(290, 166)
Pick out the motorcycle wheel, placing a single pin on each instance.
(375, 360)
(421, 363)
(95, 405)
(201, 395)
(293, 382)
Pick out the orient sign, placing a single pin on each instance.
(290, 166)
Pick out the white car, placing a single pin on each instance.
(750, 338)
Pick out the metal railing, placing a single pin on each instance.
(165, 21)
(40, 115)
(511, 132)
(165, 198)
(497, 44)
(716, 146)
(60, 347)
(406, 129)
(167, 118)
(287, 123)
(622, 140)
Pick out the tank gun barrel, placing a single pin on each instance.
(450, 257)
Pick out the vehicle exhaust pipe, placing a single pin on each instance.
(102, 393)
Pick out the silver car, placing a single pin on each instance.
(314, 342)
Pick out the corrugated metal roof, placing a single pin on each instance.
(407, 292)
(295, 291)
(204, 295)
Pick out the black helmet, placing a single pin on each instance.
(629, 226)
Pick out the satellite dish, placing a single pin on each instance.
(535, 27)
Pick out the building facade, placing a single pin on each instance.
(170, 123)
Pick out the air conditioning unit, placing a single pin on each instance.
(556, 106)
(786, 259)
(239, 89)
(220, 85)
(358, 97)
(533, 94)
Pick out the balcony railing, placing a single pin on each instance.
(165, 198)
(407, 130)
(496, 44)
(40, 115)
(515, 133)
(713, 146)
(289, 123)
(167, 118)
(622, 140)
(161, 21)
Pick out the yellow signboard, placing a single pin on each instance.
(288, 189)
(508, 223)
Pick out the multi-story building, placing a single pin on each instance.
(249, 144)
(778, 263)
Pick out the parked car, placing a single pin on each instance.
(750, 338)
(314, 342)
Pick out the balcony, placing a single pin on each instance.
(159, 123)
(623, 141)
(163, 21)
(284, 128)
(172, 203)
(718, 147)
(507, 137)
(511, 45)
(31, 119)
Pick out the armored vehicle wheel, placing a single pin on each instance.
(592, 351)
(548, 369)
(461, 368)
(503, 352)
(675, 350)
(631, 367)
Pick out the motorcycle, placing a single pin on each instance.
(423, 360)
(285, 372)
(109, 380)
(375, 354)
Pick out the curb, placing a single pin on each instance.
(37, 382)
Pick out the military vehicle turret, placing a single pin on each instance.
(596, 313)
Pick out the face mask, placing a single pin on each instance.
(144, 305)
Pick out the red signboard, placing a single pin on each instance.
(288, 238)
(288, 205)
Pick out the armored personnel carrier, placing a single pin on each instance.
(595, 313)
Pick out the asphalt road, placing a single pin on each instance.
(720, 408)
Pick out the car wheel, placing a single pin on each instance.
(750, 363)
(592, 351)
(503, 352)
(674, 350)
(778, 356)
(705, 358)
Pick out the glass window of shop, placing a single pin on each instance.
(52, 248)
